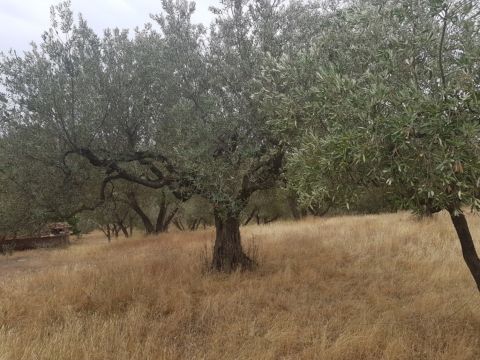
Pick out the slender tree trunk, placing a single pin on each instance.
(162, 213)
(149, 228)
(163, 221)
(179, 224)
(293, 205)
(318, 211)
(122, 227)
(115, 230)
(468, 247)
(250, 217)
(130, 225)
(194, 225)
(228, 254)
(272, 219)
(108, 233)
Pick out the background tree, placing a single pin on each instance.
(35, 187)
(156, 209)
(266, 206)
(193, 213)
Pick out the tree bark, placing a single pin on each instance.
(108, 233)
(163, 221)
(194, 225)
(179, 224)
(228, 254)
(130, 225)
(162, 213)
(250, 217)
(122, 227)
(293, 205)
(149, 228)
(468, 247)
(269, 220)
(115, 230)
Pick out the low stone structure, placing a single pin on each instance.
(34, 242)
(58, 235)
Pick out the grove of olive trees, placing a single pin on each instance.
(331, 103)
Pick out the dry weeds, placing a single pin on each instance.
(367, 287)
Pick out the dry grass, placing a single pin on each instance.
(369, 287)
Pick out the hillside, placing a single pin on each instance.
(367, 287)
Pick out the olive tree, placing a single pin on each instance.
(399, 112)
(35, 187)
(169, 108)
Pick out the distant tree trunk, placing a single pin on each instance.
(115, 230)
(108, 234)
(160, 225)
(293, 205)
(122, 227)
(269, 220)
(468, 247)
(194, 225)
(163, 218)
(179, 224)
(228, 254)
(130, 225)
(163, 221)
(147, 224)
(198, 222)
(316, 210)
(250, 217)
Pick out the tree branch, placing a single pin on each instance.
(440, 50)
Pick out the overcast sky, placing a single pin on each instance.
(23, 21)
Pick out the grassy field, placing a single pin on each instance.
(367, 287)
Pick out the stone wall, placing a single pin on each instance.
(34, 242)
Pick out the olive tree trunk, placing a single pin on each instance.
(147, 224)
(123, 228)
(468, 247)
(164, 218)
(228, 254)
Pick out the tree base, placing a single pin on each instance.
(242, 263)
(228, 254)
(468, 248)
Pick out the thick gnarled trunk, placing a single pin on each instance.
(468, 247)
(228, 254)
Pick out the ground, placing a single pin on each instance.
(356, 287)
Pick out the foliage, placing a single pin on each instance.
(398, 110)
(158, 109)
(268, 205)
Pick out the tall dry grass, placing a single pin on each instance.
(367, 287)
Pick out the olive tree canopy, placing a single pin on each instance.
(396, 109)
(172, 107)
